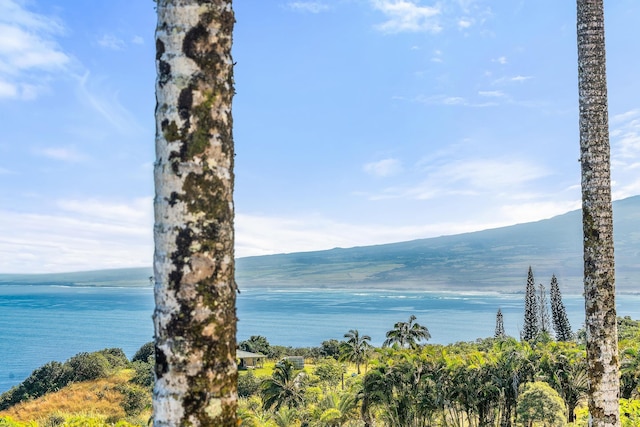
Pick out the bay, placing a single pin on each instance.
(40, 323)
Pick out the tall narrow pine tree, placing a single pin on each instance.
(543, 312)
(195, 316)
(597, 218)
(499, 325)
(561, 324)
(530, 328)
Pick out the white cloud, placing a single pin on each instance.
(28, 50)
(464, 23)
(625, 153)
(106, 105)
(262, 235)
(109, 41)
(84, 235)
(501, 60)
(8, 90)
(513, 79)
(492, 93)
(449, 100)
(66, 154)
(383, 168)
(308, 6)
(468, 178)
(137, 40)
(408, 16)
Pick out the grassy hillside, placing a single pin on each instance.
(494, 259)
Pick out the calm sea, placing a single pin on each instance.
(43, 323)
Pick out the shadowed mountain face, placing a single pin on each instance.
(495, 260)
(490, 260)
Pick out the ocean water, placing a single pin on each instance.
(43, 323)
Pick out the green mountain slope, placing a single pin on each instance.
(494, 259)
(488, 260)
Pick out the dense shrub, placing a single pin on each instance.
(116, 357)
(146, 353)
(135, 399)
(85, 367)
(248, 384)
(142, 374)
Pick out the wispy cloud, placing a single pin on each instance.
(467, 177)
(502, 60)
(408, 16)
(308, 6)
(137, 40)
(110, 41)
(106, 105)
(28, 50)
(263, 235)
(99, 235)
(383, 168)
(464, 23)
(66, 154)
(625, 153)
(492, 93)
(451, 101)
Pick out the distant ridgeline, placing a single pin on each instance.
(121, 277)
(490, 260)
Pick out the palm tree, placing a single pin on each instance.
(407, 334)
(195, 315)
(356, 348)
(285, 387)
(597, 217)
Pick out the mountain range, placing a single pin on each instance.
(489, 260)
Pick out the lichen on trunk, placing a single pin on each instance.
(597, 218)
(195, 316)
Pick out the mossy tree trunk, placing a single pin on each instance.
(597, 218)
(195, 316)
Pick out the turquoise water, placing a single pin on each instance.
(43, 323)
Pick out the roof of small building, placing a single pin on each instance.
(241, 354)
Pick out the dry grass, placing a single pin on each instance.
(100, 397)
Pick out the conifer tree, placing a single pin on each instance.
(531, 316)
(558, 313)
(543, 311)
(499, 325)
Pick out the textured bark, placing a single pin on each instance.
(195, 316)
(597, 218)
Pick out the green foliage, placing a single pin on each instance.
(407, 334)
(330, 348)
(531, 325)
(329, 371)
(630, 412)
(285, 387)
(558, 313)
(115, 357)
(628, 329)
(355, 348)
(248, 384)
(10, 422)
(146, 353)
(85, 367)
(538, 402)
(256, 344)
(55, 375)
(135, 399)
(142, 374)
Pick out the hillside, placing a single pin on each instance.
(495, 259)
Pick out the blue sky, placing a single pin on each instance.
(357, 122)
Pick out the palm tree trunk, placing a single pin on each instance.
(195, 316)
(597, 218)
